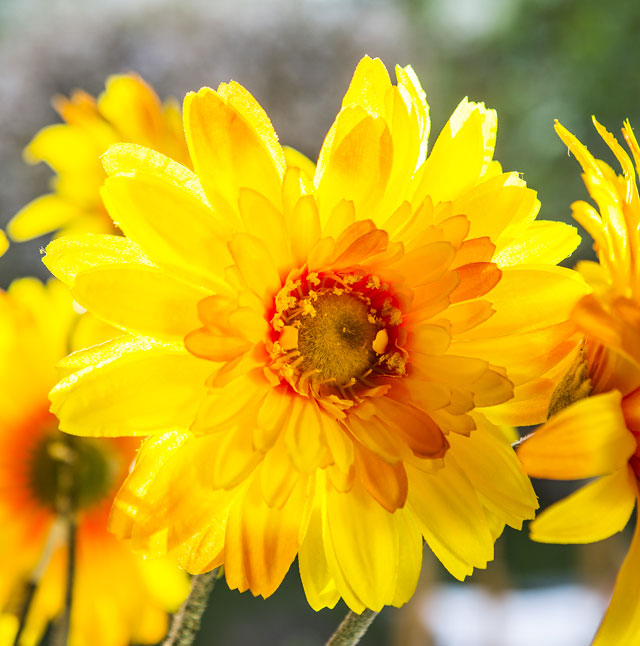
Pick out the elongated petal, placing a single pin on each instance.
(366, 551)
(148, 208)
(449, 514)
(142, 300)
(228, 153)
(129, 386)
(622, 621)
(545, 243)
(587, 439)
(262, 541)
(594, 512)
(43, 215)
(493, 469)
(319, 586)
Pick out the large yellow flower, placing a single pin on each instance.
(596, 437)
(311, 346)
(117, 598)
(128, 110)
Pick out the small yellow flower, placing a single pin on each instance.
(319, 352)
(596, 437)
(115, 596)
(128, 110)
(4, 243)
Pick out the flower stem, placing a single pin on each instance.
(65, 619)
(352, 628)
(54, 538)
(186, 622)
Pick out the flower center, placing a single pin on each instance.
(334, 333)
(70, 472)
(336, 342)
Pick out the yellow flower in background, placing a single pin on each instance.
(117, 597)
(4, 243)
(320, 353)
(596, 437)
(128, 110)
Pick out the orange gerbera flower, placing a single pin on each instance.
(115, 600)
(311, 347)
(597, 437)
(128, 110)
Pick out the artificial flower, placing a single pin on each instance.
(595, 430)
(45, 475)
(319, 352)
(127, 110)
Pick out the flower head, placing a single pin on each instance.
(318, 351)
(128, 110)
(596, 436)
(45, 475)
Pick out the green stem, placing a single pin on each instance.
(186, 622)
(352, 628)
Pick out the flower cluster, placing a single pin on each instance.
(594, 432)
(319, 360)
(307, 344)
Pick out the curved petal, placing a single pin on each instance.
(129, 386)
(451, 517)
(491, 465)
(262, 541)
(140, 299)
(229, 151)
(621, 624)
(589, 438)
(594, 512)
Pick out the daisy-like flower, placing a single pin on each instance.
(117, 597)
(310, 347)
(596, 436)
(128, 110)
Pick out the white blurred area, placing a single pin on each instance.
(473, 615)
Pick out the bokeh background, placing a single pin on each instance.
(532, 60)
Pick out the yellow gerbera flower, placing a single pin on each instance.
(128, 110)
(117, 598)
(597, 437)
(310, 346)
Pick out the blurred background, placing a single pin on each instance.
(532, 60)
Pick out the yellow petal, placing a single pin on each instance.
(142, 300)
(386, 483)
(366, 552)
(594, 512)
(129, 386)
(357, 164)
(456, 159)
(43, 215)
(319, 585)
(529, 298)
(544, 243)
(262, 542)
(587, 439)
(449, 514)
(151, 208)
(493, 469)
(256, 266)
(228, 151)
(621, 624)
(69, 256)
